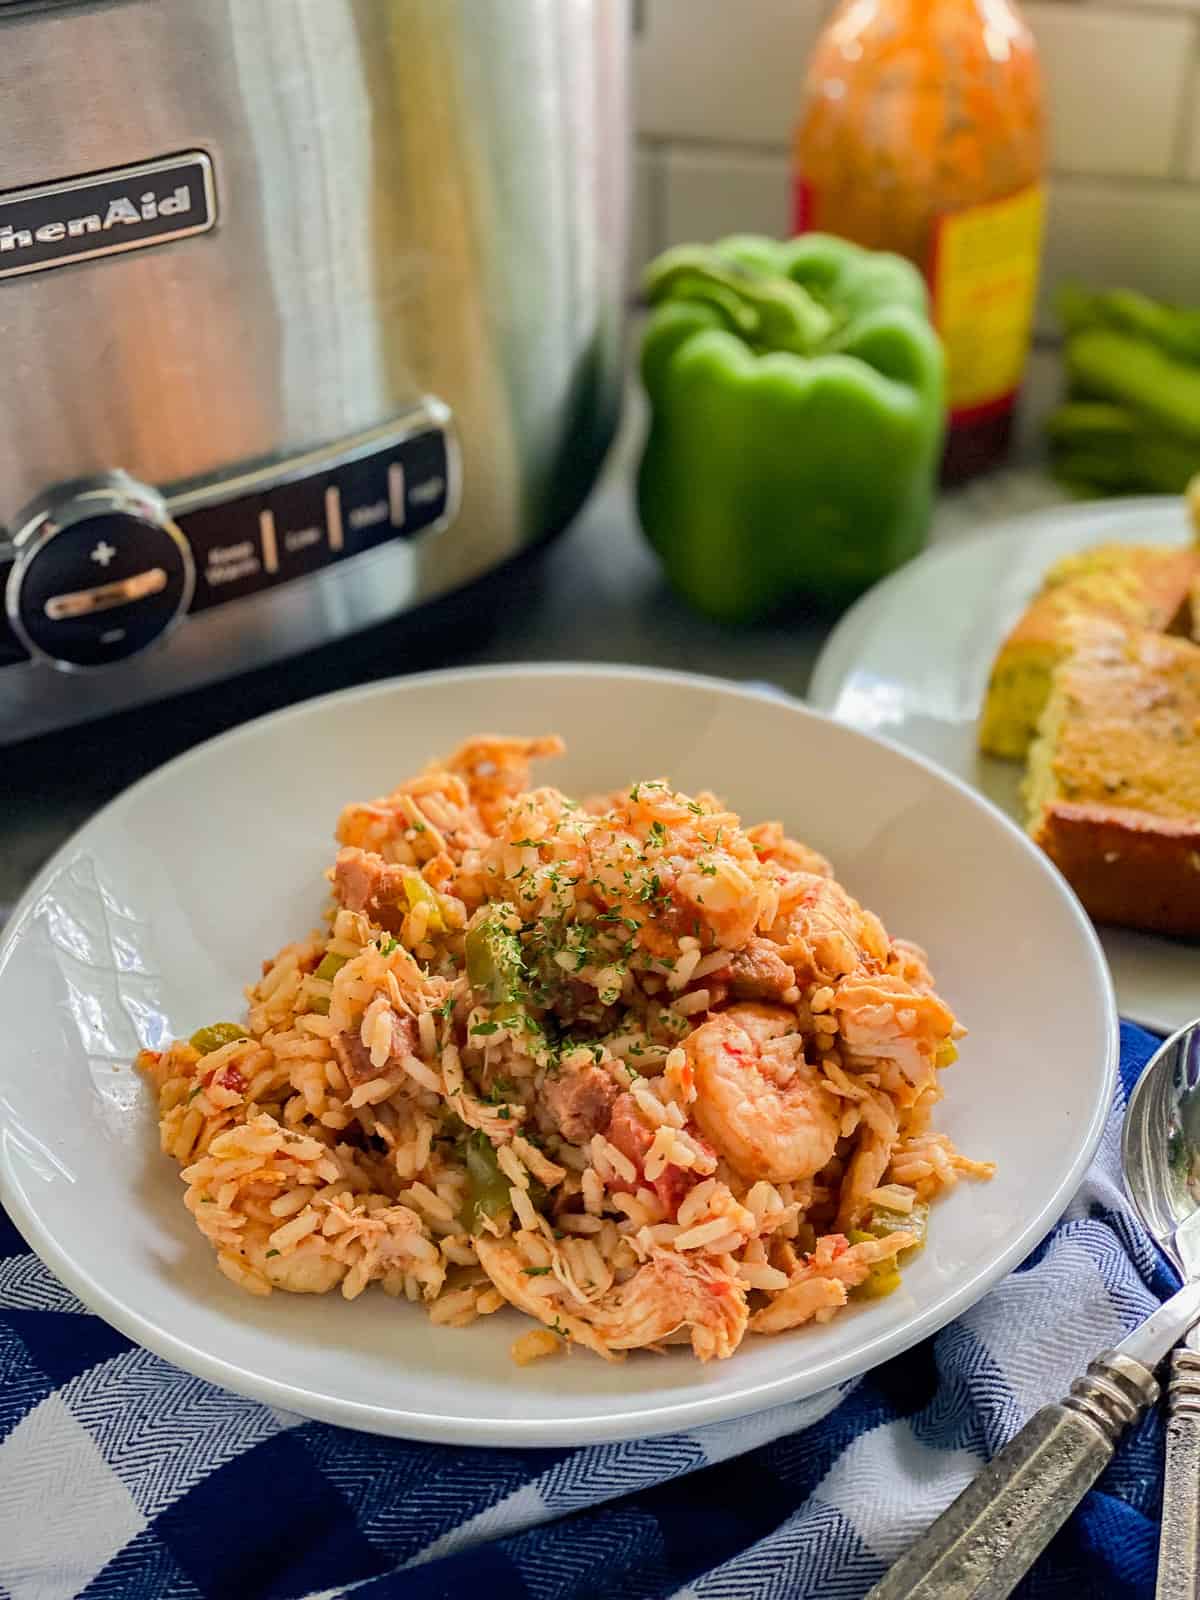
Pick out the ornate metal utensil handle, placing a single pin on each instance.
(1179, 1540)
(982, 1545)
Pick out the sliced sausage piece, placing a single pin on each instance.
(627, 1130)
(581, 1101)
(758, 972)
(633, 1138)
(364, 881)
(355, 1059)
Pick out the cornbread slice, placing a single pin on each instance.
(1146, 586)
(1113, 785)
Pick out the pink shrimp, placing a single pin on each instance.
(767, 1110)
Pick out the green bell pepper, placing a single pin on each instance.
(216, 1035)
(796, 395)
(487, 1187)
(494, 959)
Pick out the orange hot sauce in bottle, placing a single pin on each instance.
(922, 131)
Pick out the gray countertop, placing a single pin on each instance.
(595, 595)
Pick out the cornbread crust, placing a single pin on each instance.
(1149, 586)
(1114, 776)
(1127, 867)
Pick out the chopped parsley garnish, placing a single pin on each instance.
(536, 1272)
(707, 868)
(272, 1253)
(387, 944)
(486, 1027)
(658, 832)
(529, 844)
(557, 1327)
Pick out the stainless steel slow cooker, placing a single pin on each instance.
(309, 313)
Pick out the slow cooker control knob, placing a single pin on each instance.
(101, 571)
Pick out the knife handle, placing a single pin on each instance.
(1179, 1539)
(985, 1542)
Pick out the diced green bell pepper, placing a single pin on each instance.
(487, 1187)
(329, 968)
(884, 1221)
(796, 395)
(884, 1277)
(881, 1279)
(418, 892)
(206, 1040)
(494, 959)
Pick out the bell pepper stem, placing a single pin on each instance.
(769, 312)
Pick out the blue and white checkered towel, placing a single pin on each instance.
(121, 1476)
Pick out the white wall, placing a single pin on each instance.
(717, 88)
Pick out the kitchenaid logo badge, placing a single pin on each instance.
(125, 209)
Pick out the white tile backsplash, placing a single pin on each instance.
(1107, 233)
(1115, 87)
(718, 83)
(726, 70)
(708, 193)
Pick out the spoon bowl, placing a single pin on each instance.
(1160, 1149)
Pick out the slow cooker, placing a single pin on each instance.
(310, 313)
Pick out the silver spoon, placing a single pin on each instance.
(986, 1541)
(1160, 1151)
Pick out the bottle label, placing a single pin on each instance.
(983, 270)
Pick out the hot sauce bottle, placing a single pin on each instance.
(922, 131)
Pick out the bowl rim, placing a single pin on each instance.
(644, 1421)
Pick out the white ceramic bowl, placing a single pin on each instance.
(149, 922)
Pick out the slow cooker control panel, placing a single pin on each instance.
(105, 567)
(101, 572)
(252, 533)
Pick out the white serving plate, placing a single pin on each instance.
(152, 918)
(911, 661)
